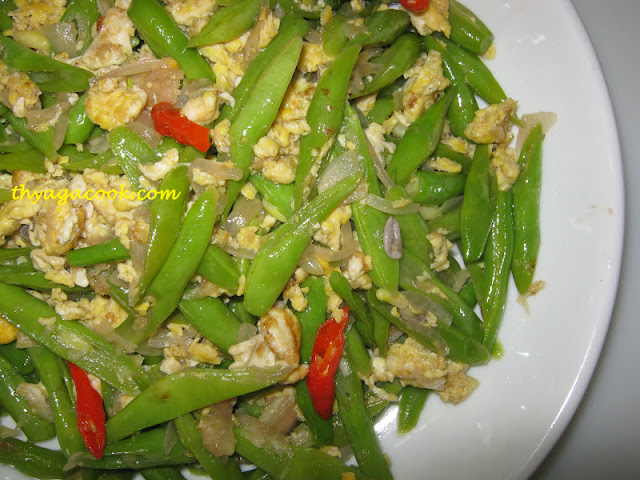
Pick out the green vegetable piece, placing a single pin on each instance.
(467, 30)
(324, 116)
(260, 111)
(49, 74)
(526, 211)
(382, 28)
(321, 429)
(218, 267)
(183, 392)
(411, 405)
(278, 256)
(164, 37)
(228, 23)
(70, 340)
(111, 251)
(358, 425)
(79, 127)
(130, 149)
(30, 161)
(313, 316)
(428, 187)
(419, 141)
(477, 208)
(41, 141)
(32, 460)
(32, 425)
(84, 14)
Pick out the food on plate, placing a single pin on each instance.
(229, 229)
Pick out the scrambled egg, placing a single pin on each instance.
(492, 124)
(34, 14)
(434, 19)
(505, 162)
(112, 43)
(18, 91)
(187, 349)
(424, 81)
(157, 171)
(313, 58)
(111, 102)
(8, 331)
(329, 232)
(191, 13)
(444, 164)
(441, 246)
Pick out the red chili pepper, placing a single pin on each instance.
(170, 122)
(415, 5)
(90, 410)
(325, 358)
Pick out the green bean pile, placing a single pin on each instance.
(347, 157)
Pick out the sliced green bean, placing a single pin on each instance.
(30, 161)
(110, 251)
(32, 460)
(467, 30)
(411, 405)
(227, 23)
(218, 267)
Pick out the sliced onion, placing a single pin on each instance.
(311, 265)
(459, 279)
(379, 164)
(99, 145)
(423, 304)
(239, 252)
(171, 438)
(415, 327)
(530, 120)
(260, 434)
(340, 168)
(363, 68)
(325, 253)
(246, 331)
(220, 170)
(36, 398)
(280, 413)
(392, 239)
(387, 206)
(63, 37)
(243, 212)
(143, 126)
(140, 66)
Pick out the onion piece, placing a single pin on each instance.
(37, 398)
(530, 120)
(311, 265)
(144, 127)
(459, 279)
(379, 164)
(341, 167)
(243, 212)
(392, 239)
(239, 252)
(387, 206)
(414, 324)
(423, 304)
(63, 37)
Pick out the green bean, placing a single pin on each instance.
(364, 321)
(497, 260)
(79, 127)
(464, 106)
(321, 429)
(419, 141)
(394, 61)
(110, 251)
(36, 280)
(186, 391)
(84, 14)
(448, 223)
(382, 110)
(30, 161)
(369, 222)
(284, 461)
(237, 308)
(276, 197)
(333, 38)
(357, 352)
(467, 30)
(52, 374)
(18, 357)
(32, 425)
(216, 467)
(49, 74)
(161, 473)
(184, 257)
(382, 28)
(428, 187)
(164, 225)
(411, 405)
(443, 150)
(143, 450)
(477, 209)
(303, 8)
(280, 253)
(381, 328)
(130, 149)
(526, 211)
(218, 267)
(260, 110)
(476, 73)
(116, 475)
(105, 162)
(213, 319)
(357, 423)
(324, 117)
(165, 39)
(290, 27)
(6, 22)
(70, 340)
(169, 143)
(257, 474)
(5, 195)
(41, 141)
(227, 23)
(32, 460)
(313, 316)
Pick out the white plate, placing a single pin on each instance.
(524, 401)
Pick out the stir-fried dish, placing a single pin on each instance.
(234, 231)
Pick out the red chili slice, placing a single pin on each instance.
(170, 122)
(415, 5)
